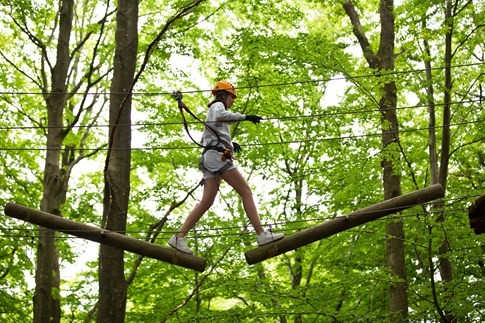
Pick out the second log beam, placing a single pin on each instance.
(342, 223)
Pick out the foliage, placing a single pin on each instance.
(315, 156)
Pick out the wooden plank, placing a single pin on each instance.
(107, 237)
(342, 223)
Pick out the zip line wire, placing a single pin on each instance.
(251, 144)
(380, 74)
(171, 123)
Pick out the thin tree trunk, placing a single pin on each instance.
(112, 282)
(446, 270)
(296, 270)
(433, 158)
(433, 164)
(47, 306)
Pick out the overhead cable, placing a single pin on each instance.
(298, 82)
(308, 116)
(260, 144)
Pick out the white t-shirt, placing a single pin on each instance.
(218, 118)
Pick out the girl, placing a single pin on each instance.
(216, 164)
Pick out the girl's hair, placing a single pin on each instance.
(220, 97)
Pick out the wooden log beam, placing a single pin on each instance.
(476, 215)
(342, 223)
(107, 237)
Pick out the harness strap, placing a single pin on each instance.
(225, 167)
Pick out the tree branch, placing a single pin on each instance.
(19, 70)
(195, 290)
(34, 39)
(358, 31)
(466, 38)
(155, 229)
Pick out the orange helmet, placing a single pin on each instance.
(224, 86)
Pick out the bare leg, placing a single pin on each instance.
(211, 187)
(234, 178)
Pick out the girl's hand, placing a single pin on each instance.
(253, 118)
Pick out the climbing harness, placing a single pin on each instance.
(227, 154)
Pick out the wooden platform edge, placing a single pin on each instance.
(342, 223)
(107, 237)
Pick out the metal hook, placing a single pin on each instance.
(177, 95)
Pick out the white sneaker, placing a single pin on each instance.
(180, 244)
(267, 237)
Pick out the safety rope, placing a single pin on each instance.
(182, 107)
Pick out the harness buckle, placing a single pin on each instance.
(227, 155)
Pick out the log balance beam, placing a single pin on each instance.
(342, 223)
(107, 237)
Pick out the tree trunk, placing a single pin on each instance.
(47, 306)
(395, 257)
(112, 282)
(384, 60)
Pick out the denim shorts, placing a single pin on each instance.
(212, 165)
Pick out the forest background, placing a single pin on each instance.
(362, 100)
